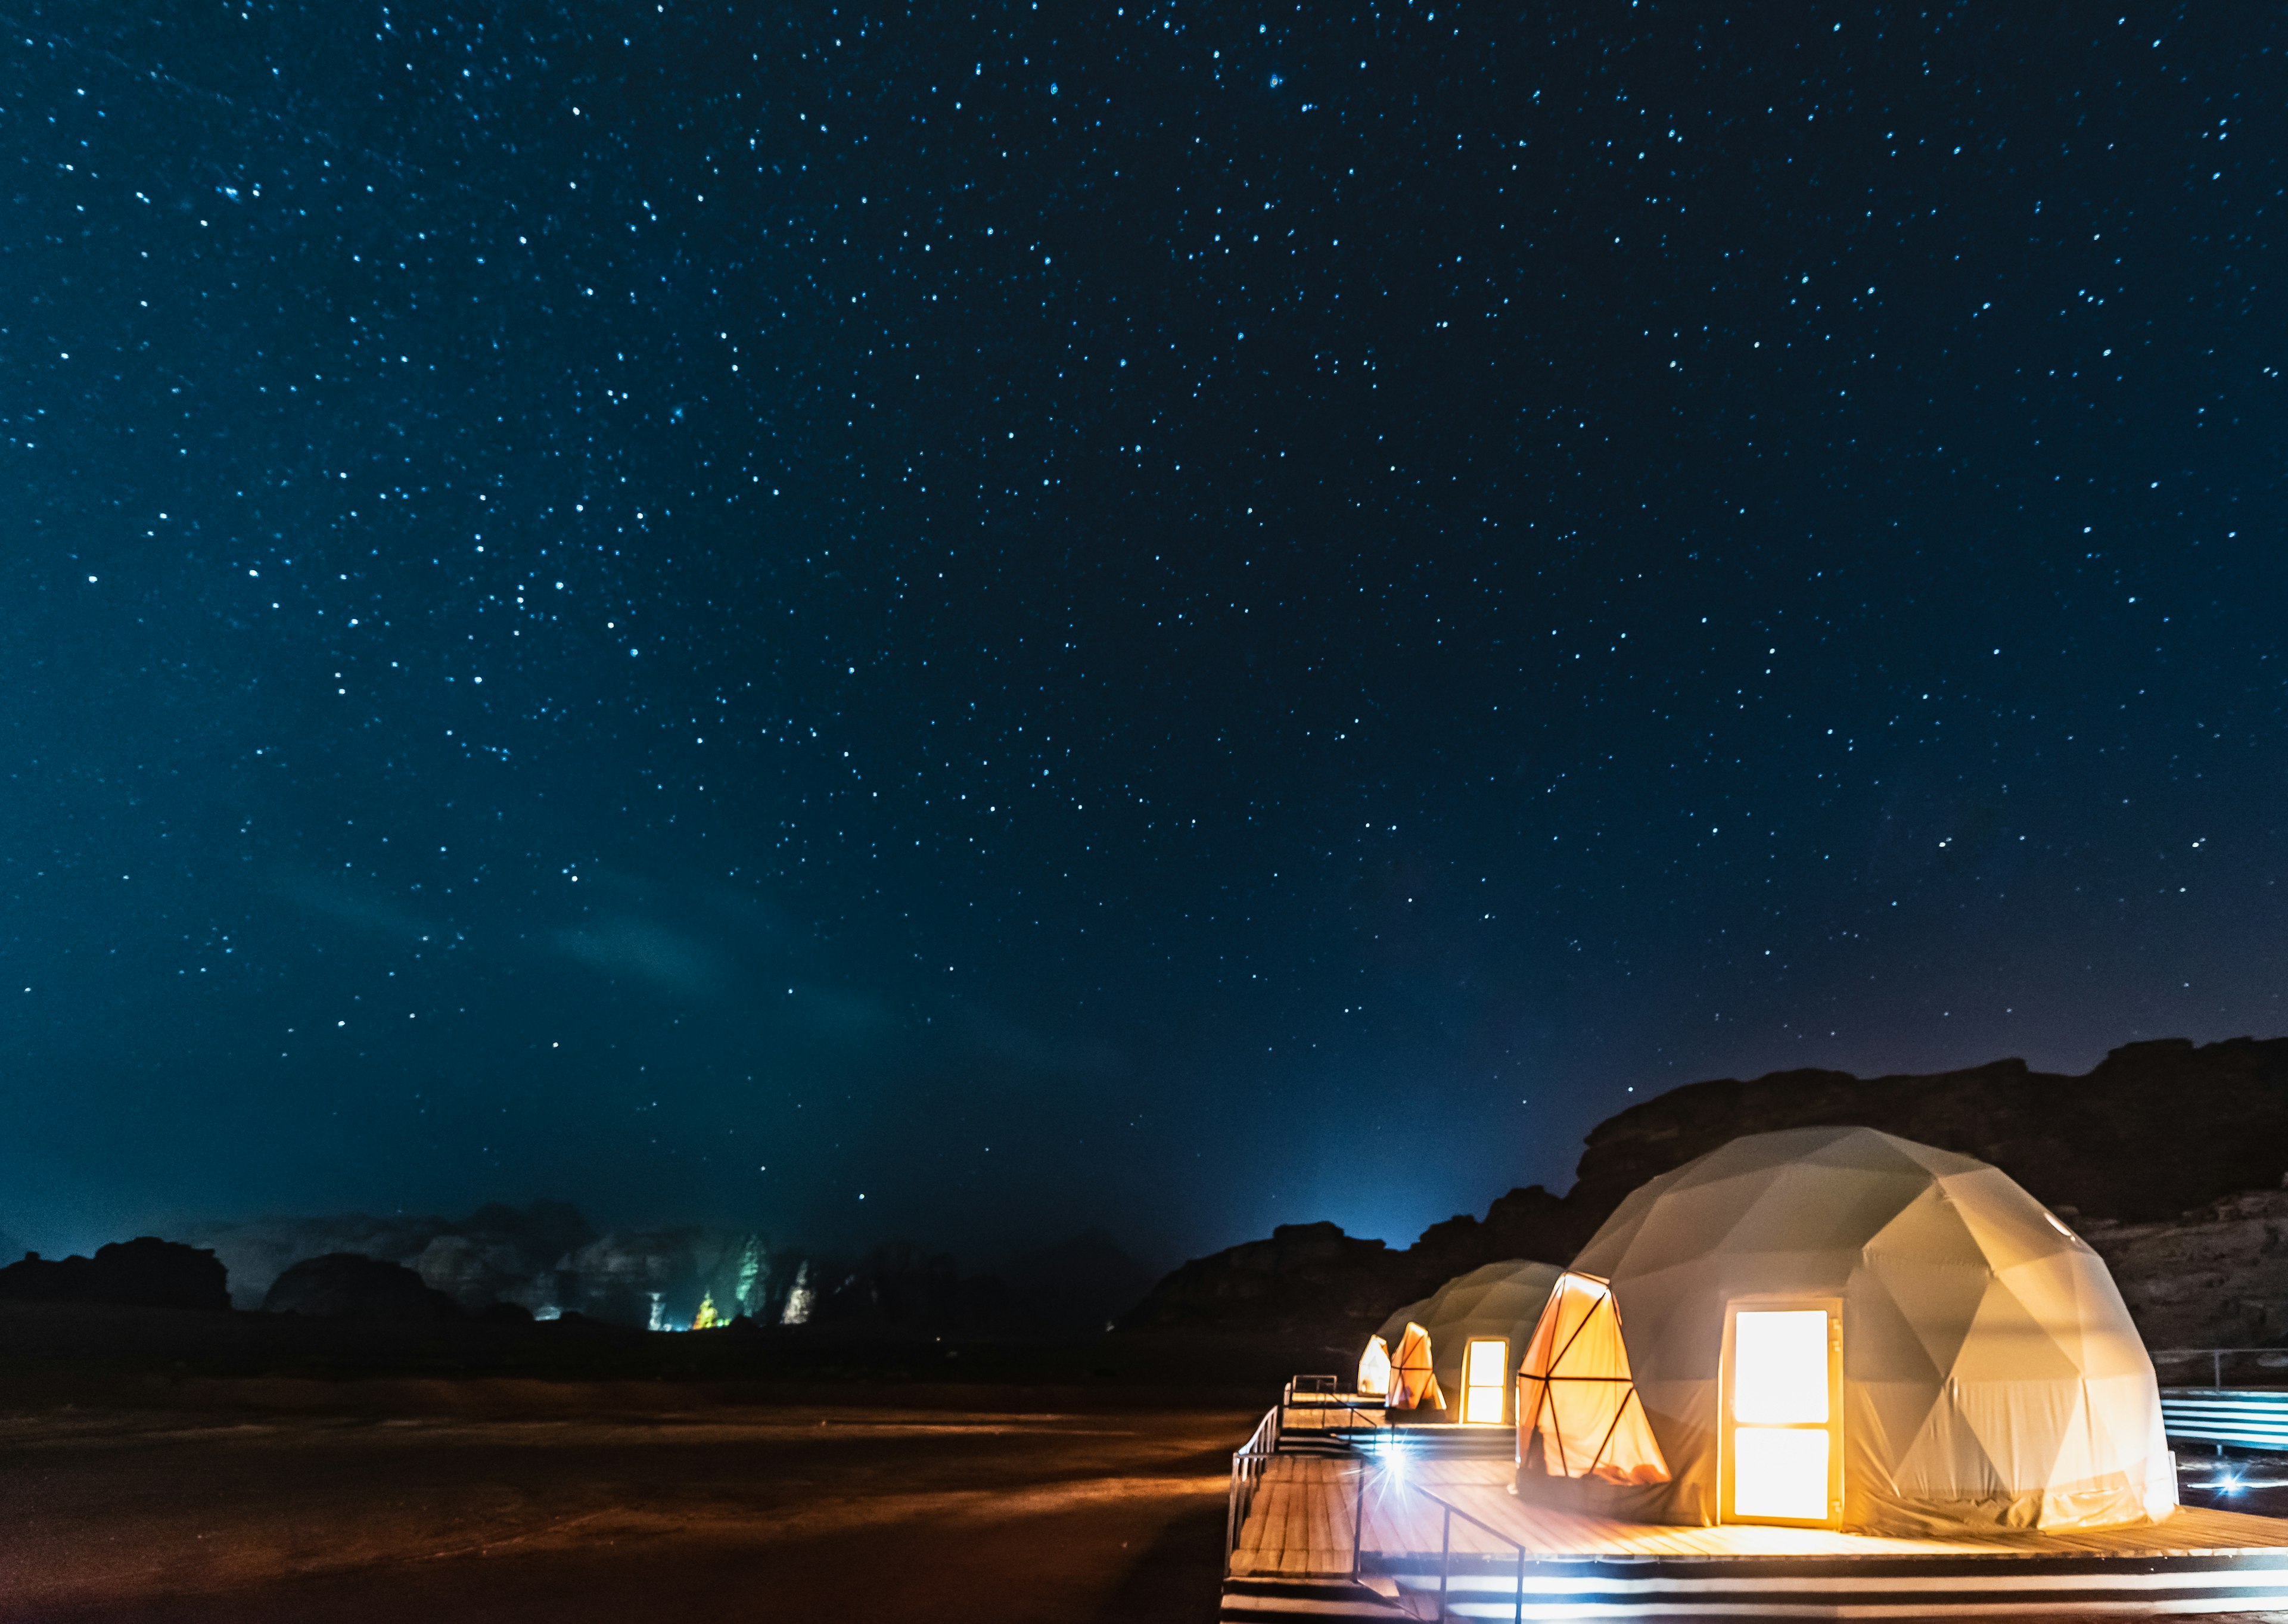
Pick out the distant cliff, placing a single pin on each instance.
(2217, 1277)
(147, 1272)
(2153, 1132)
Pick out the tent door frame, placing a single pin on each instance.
(1766, 1302)
(1506, 1393)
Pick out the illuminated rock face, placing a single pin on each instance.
(658, 1278)
(799, 1300)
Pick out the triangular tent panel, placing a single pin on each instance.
(1990, 1375)
(1577, 1411)
(1374, 1368)
(1412, 1381)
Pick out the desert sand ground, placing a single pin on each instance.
(506, 1500)
(263, 1498)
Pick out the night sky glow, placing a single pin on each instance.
(959, 622)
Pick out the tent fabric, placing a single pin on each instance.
(1578, 1414)
(1412, 1381)
(1991, 1377)
(1503, 1299)
(1374, 1368)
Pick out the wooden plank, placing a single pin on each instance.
(1323, 1517)
(1274, 1525)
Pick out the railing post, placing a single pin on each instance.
(1358, 1514)
(1231, 1516)
(1445, 1561)
(2216, 1368)
(1517, 1612)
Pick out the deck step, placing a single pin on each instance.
(1253, 1600)
(1305, 1443)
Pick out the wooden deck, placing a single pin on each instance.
(1301, 1520)
(1351, 1515)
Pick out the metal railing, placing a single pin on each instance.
(2274, 1360)
(1446, 1550)
(1248, 1464)
(1252, 1459)
(1329, 1408)
(2244, 1419)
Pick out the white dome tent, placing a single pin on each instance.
(1496, 1303)
(1835, 1327)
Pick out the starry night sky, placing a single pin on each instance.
(1161, 615)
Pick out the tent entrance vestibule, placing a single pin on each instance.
(1780, 1444)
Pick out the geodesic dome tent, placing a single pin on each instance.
(1496, 1302)
(1833, 1325)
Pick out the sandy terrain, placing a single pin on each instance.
(263, 1499)
(502, 1501)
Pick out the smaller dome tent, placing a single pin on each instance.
(1836, 1325)
(1500, 1300)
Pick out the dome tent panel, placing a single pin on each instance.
(2009, 1232)
(1912, 1345)
(1926, 1270)
(2008, 1345)
(1943, 1456)
(1990, 1376)
(1807, 1210)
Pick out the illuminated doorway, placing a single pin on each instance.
(1485, 1381)
(1783, 1456)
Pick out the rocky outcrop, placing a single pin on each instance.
(147, 1272)
(2151, 1148)
(1075, 1287)
(344, 1284)
(1307, 1277)
(1529, 1223)
(2213, 1278)
(545, 1260)
(2152, 1131)
(497, 1253)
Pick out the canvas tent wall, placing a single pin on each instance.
(1374, 1368)
(1577, 1411)
(1413, 1385)
(1502, 1300)
(1986, 1371)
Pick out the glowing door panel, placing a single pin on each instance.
(1485, 1381)
(1783, 1459)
